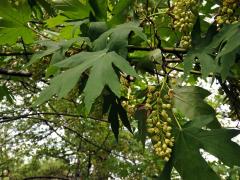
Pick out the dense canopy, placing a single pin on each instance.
(116, 89)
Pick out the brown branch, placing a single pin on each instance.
(132, 48)
(173, 60)
(46, 177)
(15, 53)
(5, 119)
(14, 73)
(182, 70)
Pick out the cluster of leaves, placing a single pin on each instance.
(86, 49)
(217, 52)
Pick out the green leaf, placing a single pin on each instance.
(100, 9)
(102, 73)
(187, 159)
(5, 93)
(206, 60)
(123, 116)
(47, 7)
(116, 39)
(190, 101)
(155, 56)
(113, 119)
(186, 154)
(120, 12)
(200, 53)
(116, 111)
(218, 143)
(53, 22)
(57, 49)
(144, 61)
(166, 172)
(196, 32)
(14, 23)
(229, 48)
(217, 52)
(96, 29)
(141, 116)
(200, 121)
(107, 101)
(51, 70)
(72, 29)
(73, 9)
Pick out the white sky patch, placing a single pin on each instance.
(215, 6)
(209, 20)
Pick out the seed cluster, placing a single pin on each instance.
(128, 105)
(159, 124)
(183, 19)
(228, 12)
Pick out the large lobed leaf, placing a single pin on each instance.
(120, 12)
(186, 156)
(102, 73)
(116, 112)
(116, 39)
(55, 48)
(73, 9)
(190, 101)
(100, 8)
(217, 52)
(14, 23)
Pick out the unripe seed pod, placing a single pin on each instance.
(167, 141)
(148, 106)
(164, 114)
(169, 120)
(229, 11)
(149, 121)
(168, 150)
(161, 153)
(168, 106)
(166, 159)
(151, 130)
(168, 134)
(169, 128)
(156, 130)
(164, 146)
(151, 88)
(155, 138)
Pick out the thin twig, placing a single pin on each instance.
(15, 73)
(5, 119)
(25, 50)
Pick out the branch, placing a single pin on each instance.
(5, 119)
(15, 73)
(46, 177)
(173, 60)
(15, 53)
(182, 70)
(132, 48)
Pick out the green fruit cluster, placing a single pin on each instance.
(183, 19)
(159, 124)
(126, 90)
(227, 13)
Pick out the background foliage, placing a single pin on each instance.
(107, 89)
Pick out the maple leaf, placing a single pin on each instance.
(14, 23)
(102, 66)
